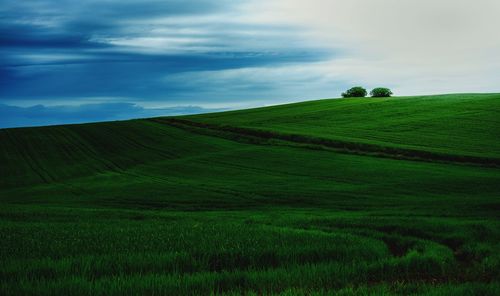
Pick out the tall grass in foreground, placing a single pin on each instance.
(113, 252)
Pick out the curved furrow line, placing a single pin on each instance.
(256, 135)
(29, 160)
(88, 150)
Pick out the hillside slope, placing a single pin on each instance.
(153, 162)
(449, 124)
(316, 198)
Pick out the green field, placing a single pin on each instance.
(343, 196)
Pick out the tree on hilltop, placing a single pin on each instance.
(355, 92)
(381, 92)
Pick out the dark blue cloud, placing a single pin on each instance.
(12, 116)
(132, 75)
(32, 37)
(66, 24)
(64, 50)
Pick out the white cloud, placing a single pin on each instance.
(258, 86)
(156, 44)
(415, 46)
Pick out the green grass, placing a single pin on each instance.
(215, 206)
(455, 124)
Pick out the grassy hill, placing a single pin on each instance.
(350, 196)
(449, 124)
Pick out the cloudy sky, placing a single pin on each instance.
(67, 61)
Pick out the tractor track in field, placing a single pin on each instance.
(243, 134)
(35, 166)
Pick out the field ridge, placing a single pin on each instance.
(350, 147)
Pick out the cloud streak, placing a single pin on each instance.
(127, 48)
(13, 116)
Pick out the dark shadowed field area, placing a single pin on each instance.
(350, 197)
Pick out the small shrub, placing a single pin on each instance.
(381, 92)
(355, 92)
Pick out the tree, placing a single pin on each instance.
(381, 92)
(355, 92)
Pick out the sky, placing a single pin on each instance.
(64, 61)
